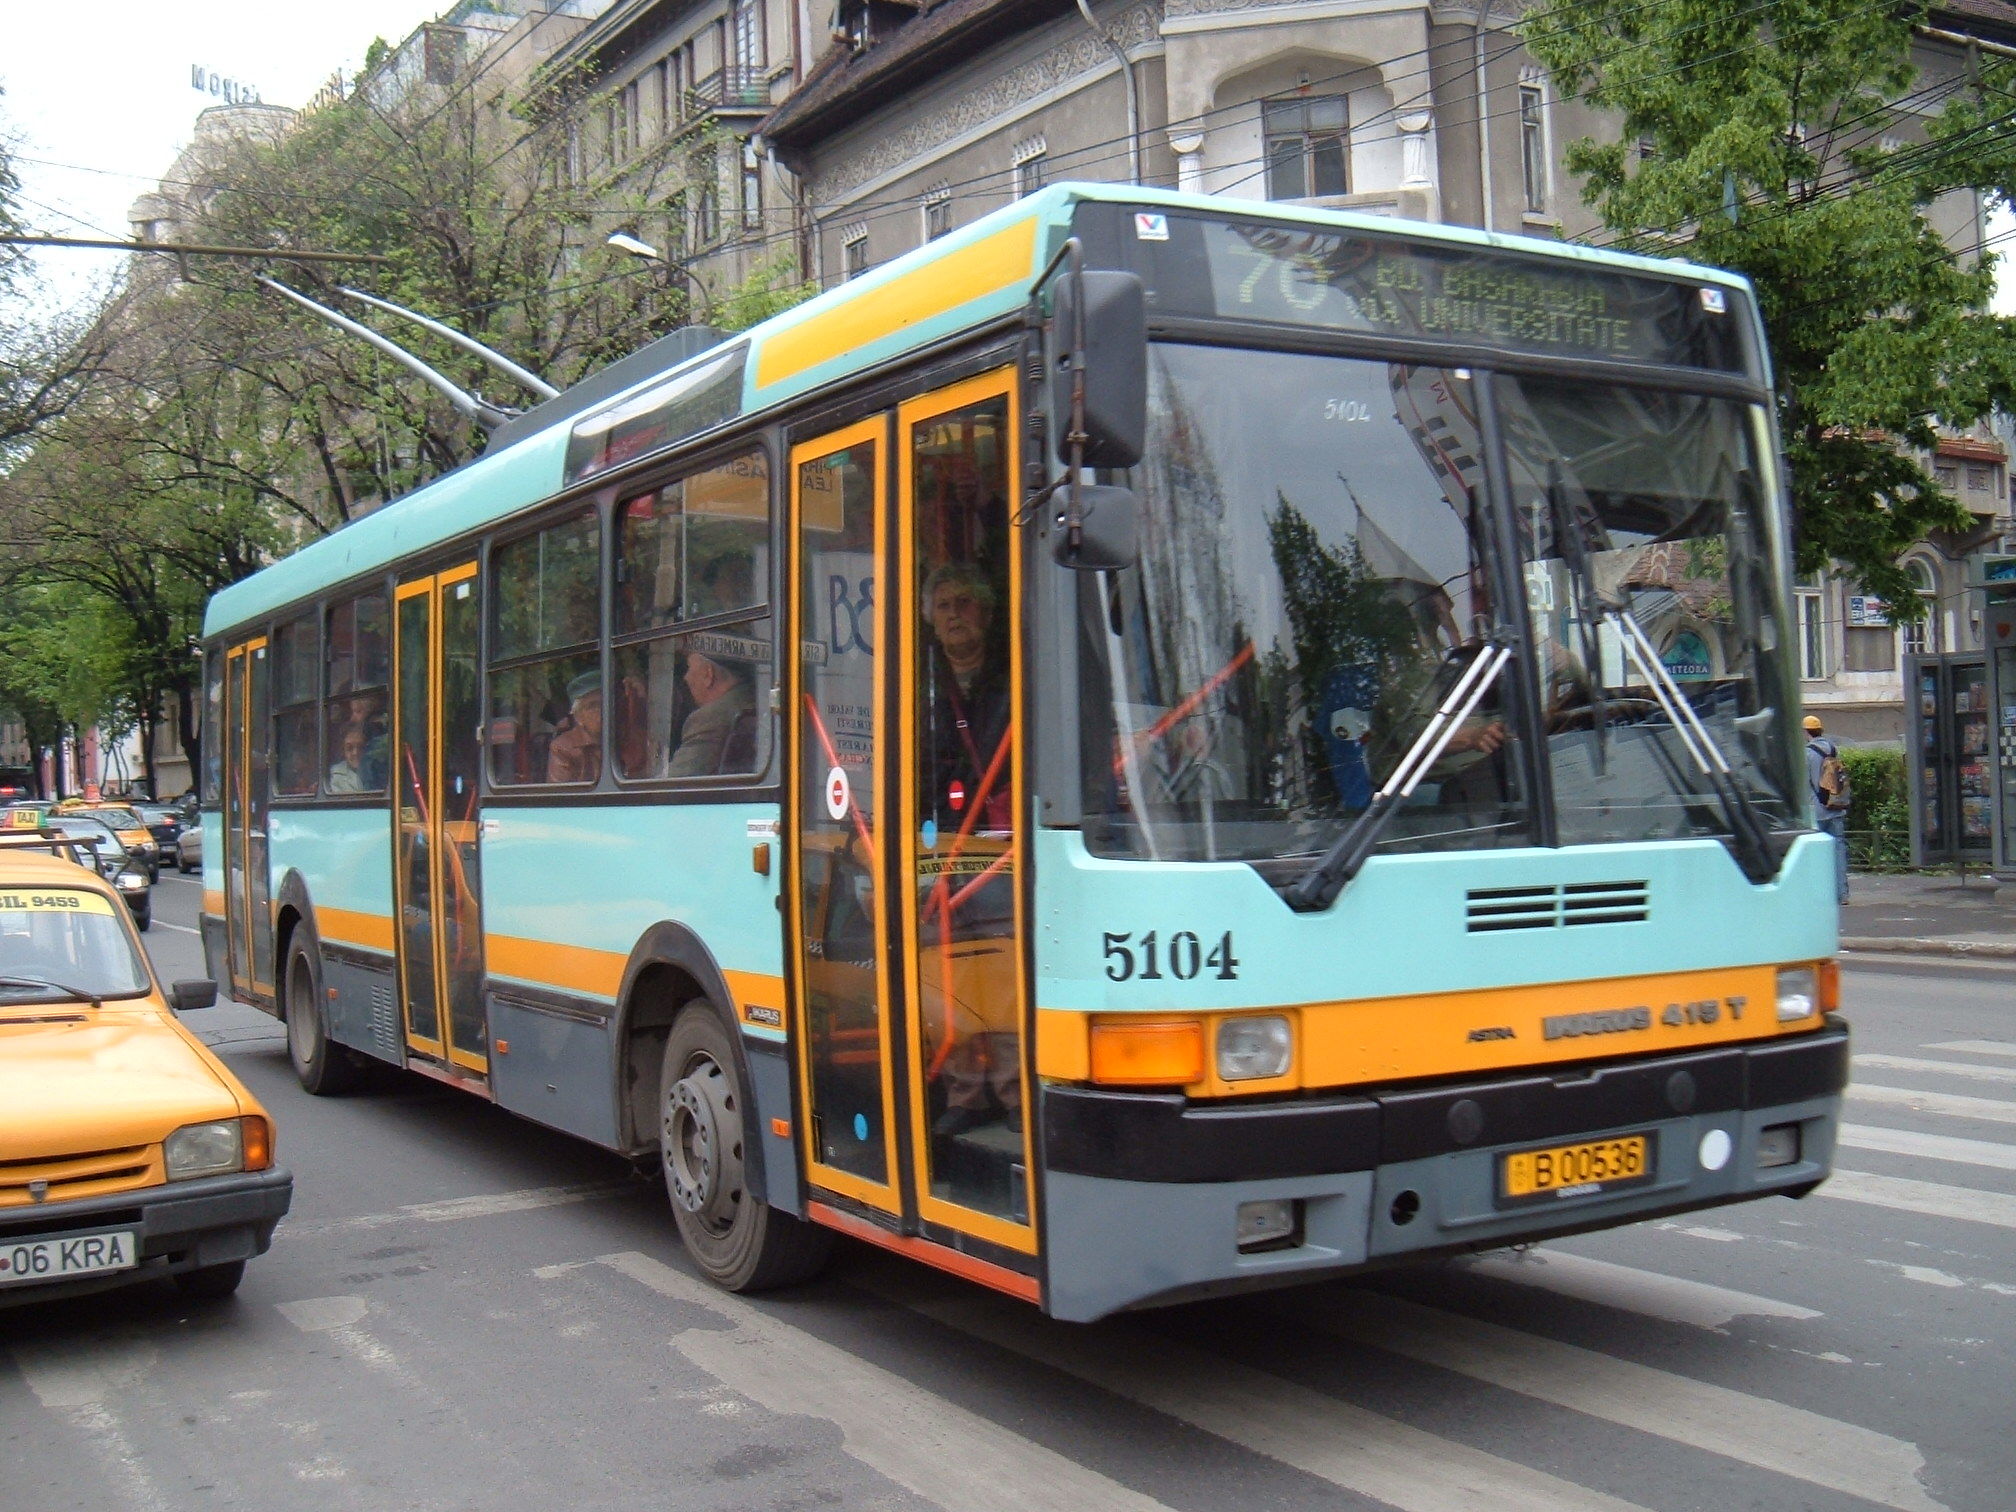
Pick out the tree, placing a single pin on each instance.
(1762, 136)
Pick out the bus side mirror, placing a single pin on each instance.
(1106, 537)
(1115, 311)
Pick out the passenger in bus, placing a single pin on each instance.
(347, 774)
(576, 752)
(718, 736)
(968, 703)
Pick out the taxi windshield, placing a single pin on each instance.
(58, 944)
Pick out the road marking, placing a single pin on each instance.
(320, 1314)
(178, 928)
(1977, 1047)
(453, 1209)
(1770, 1435)
(1633, 1290)
(942, 1452)
(1943, 1068)
(1933, 1198)
(1951, 1104)
(1336, 1441)
(74, 1379)
(1981, 1152)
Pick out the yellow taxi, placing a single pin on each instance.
(127, 1150)
(124, 822)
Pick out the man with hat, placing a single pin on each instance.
(1828, 781)
(576, 752)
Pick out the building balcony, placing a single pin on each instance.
(734, 91)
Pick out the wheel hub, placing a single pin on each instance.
(702, 1143)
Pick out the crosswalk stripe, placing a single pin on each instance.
(1942, 1068)
(77, 1382)
(1735, 1424)
(1405, 1467)
(942, 1452)
(1977, 1047)
(1933, 1198)
(1629, 1289)
(1981, 1152)
(1951, 1104)
(455, 1209)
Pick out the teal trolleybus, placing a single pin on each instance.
(1153, 746)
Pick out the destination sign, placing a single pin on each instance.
(1391, 285)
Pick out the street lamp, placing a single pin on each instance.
(643, 251)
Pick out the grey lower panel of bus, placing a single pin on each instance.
(364, 1011)
(770, 1086)
(560, 1070)
(1118, 1244)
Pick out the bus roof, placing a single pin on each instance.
(966, 278)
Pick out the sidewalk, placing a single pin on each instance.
(1930, 914)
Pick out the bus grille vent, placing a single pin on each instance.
(384, 1026)
(1492, 910)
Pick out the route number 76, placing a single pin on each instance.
(1149, 959)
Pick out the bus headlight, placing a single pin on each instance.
(205, 1149)
(1798, 993)
(1251, 1049)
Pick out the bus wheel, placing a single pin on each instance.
(324, 1068)
(737, 1238)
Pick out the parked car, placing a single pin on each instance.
(127, 1149)
(164, 823)
(189, 848)
(116, 864)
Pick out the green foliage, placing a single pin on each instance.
(1879, 819)
(1778, 111)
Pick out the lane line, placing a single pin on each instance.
(1769, 1435)
(1934, 1199)
(1337, 1441)
(74, 1380)
(1950, 1104)
(1981, 1152)
(178, 928)
(1629, 1289)
(2005, 1074)
(942, 1452)
(454, 1209)
(1977, 1047)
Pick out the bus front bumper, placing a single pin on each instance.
(1142, 1192)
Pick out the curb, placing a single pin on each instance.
(1900, 945)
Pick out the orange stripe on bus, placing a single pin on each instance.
(1002, 1279)
(565, 968)
(343, 927)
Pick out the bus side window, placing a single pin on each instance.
(296, 691)
(692, 628)
(355, 727)
(546, 695)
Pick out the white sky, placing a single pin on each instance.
(104, 89)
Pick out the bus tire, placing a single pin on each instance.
(323, 1067)
(733, 1235)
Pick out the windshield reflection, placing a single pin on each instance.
(1310, 585)
(67, 937)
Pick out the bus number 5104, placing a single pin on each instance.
(1183, 956)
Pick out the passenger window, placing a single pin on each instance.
(546, 696)
(692, 661)
(213, 725)
(354, 760)
(294, 699)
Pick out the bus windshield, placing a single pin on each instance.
(1316, 572)
(1313, 578)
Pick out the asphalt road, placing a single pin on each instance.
(467, 1311)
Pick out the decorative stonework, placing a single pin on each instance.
(973, 108)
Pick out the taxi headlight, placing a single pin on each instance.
(130, 881)
(1250, 1049)
(1798, 993)
(205, 1149)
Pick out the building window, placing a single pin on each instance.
(1032, 165)
(1304, 140)
(752, 188)
(1980, 476)
(1810, 600)
(661, 84)
(854, 255)
(1922, 639)
(937, 213)
(1947, 476)
(1533, 147)
(746, 27)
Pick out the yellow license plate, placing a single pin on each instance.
(1574, 1170)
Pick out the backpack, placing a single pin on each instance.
(1835, 790)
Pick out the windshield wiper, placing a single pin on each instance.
(1747, 827)
(1319, 886)
(68, 991)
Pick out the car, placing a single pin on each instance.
(133, 831)
(164, 823)
(115, 863)
(189, 848)
(128, 1151)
